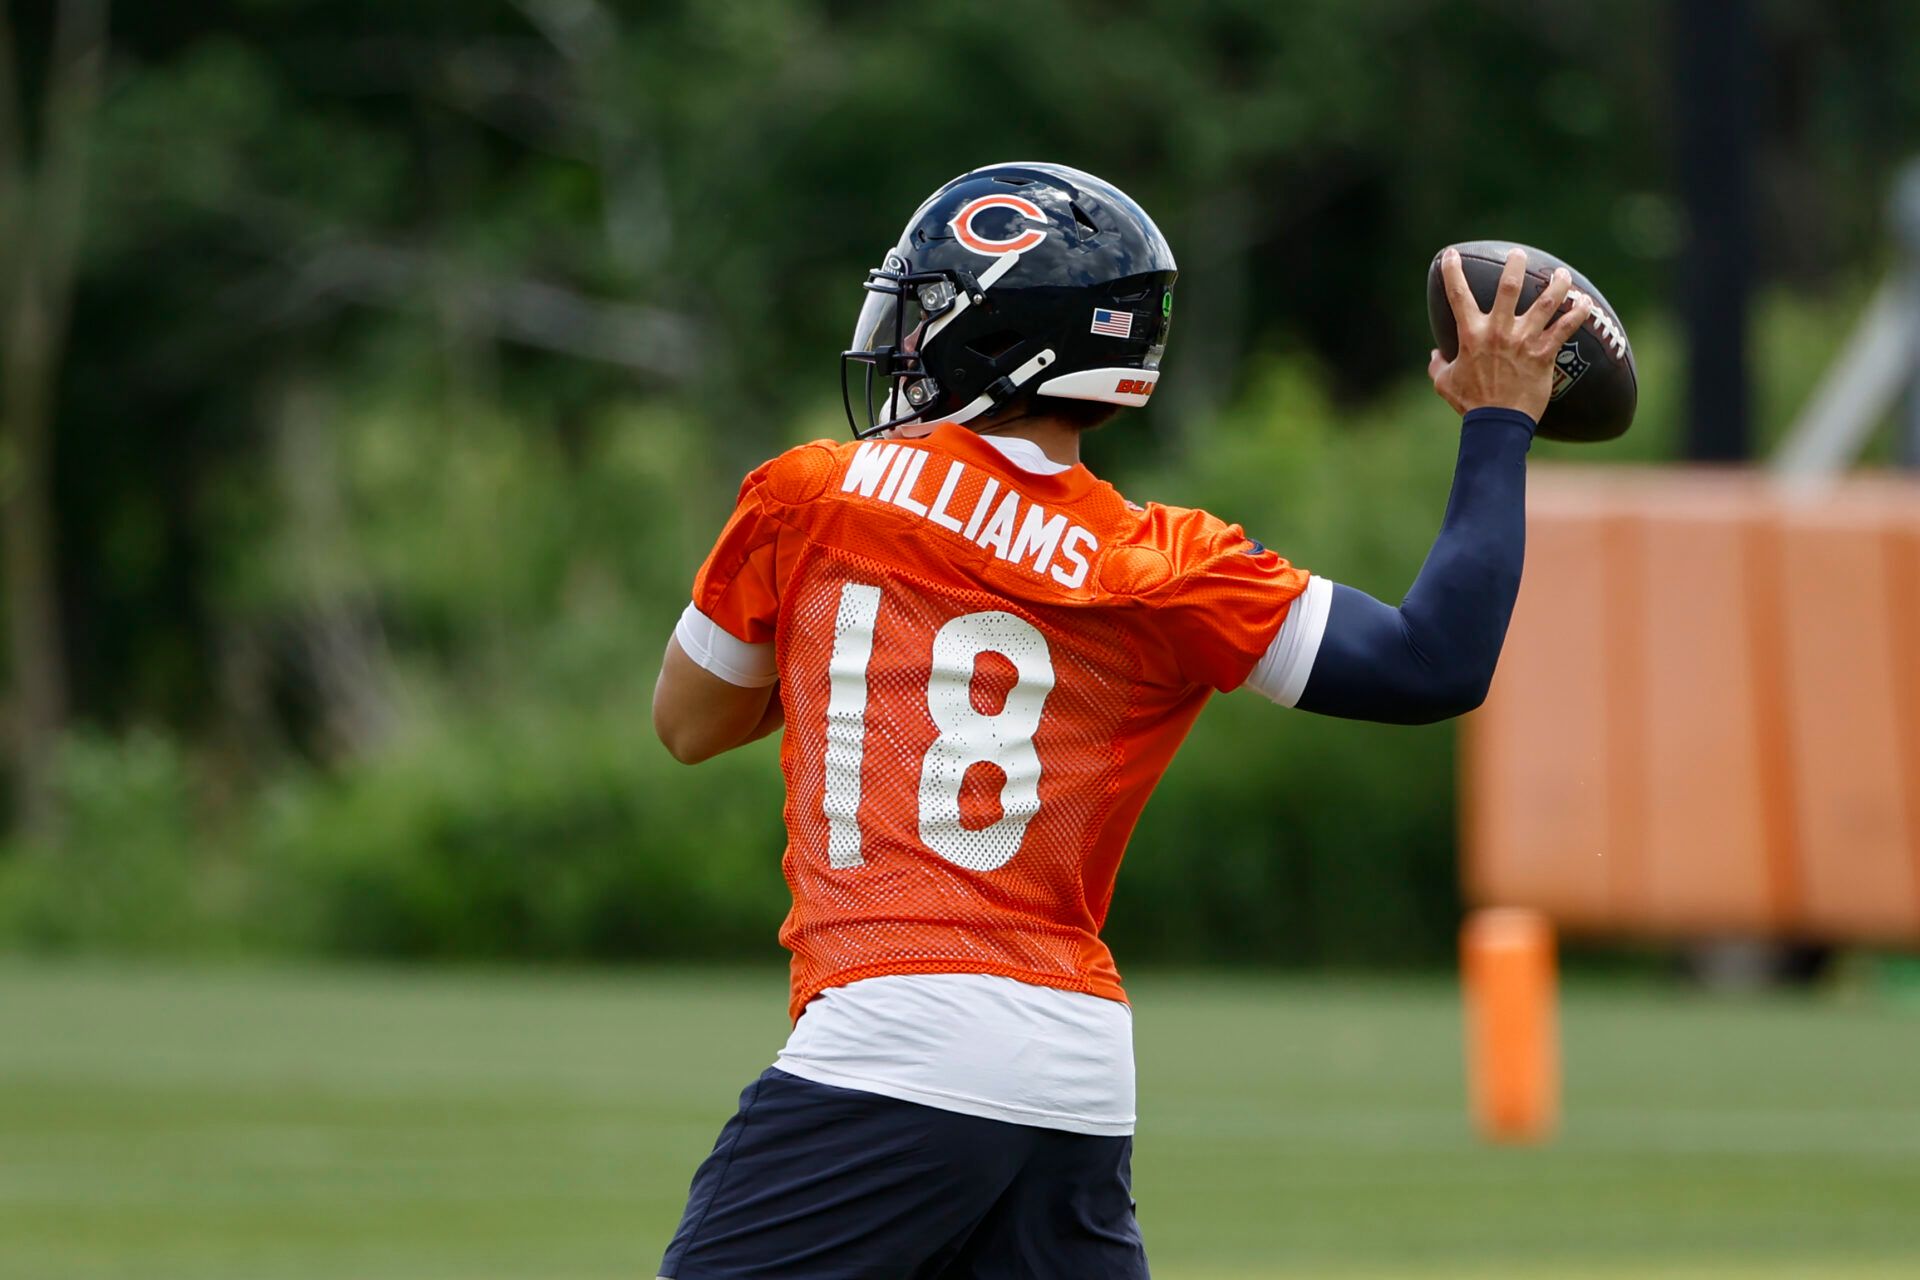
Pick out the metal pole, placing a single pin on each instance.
(1906, 234)
(1716, 90)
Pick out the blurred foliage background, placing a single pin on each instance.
(377, 376)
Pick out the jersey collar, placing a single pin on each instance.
(1026, 455)
(1014, 458)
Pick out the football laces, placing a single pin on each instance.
(1609, 332)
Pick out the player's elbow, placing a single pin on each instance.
(1455, 666)
(687, 748)
(685, 739)
(684, 751)
(1455, 693)
(1428, 694)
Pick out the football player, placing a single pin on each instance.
(984, 657)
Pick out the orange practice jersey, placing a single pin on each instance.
(984, 672)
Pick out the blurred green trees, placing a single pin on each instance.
(416, 350)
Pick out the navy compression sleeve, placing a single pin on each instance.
(1433, 657)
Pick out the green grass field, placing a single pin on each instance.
(369, 1124)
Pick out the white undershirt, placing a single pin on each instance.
(972, 1043)
(1026, 455)
(976, 1044)
(1281, 674)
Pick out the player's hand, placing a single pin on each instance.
(1506, 360)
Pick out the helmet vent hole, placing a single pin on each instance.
(992, 346)
(1086, 223)
(1136, 296)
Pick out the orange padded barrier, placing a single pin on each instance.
(1843, 728)
(1550, 850)
(1707, 716)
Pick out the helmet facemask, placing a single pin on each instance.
(903, 309)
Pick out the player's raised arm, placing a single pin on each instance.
(1434, 656)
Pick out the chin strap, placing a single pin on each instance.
(1003, 389)
(997, 394)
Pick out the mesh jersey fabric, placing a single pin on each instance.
(984, 672)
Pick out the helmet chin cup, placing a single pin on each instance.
(904, 402)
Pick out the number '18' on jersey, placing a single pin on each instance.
(985, 668)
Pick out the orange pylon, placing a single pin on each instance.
(1513, 1038)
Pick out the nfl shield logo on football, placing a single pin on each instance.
(1567, 368)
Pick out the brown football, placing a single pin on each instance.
(1595, 385)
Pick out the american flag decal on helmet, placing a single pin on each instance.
(1115, 324)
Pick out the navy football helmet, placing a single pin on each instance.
(1015, 280)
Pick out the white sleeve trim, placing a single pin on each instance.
(1281, 674)
(750, 666)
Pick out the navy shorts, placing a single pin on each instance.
(812, 1181)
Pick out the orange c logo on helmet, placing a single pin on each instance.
(962, 225)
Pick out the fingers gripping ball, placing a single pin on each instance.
(1595, 385)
